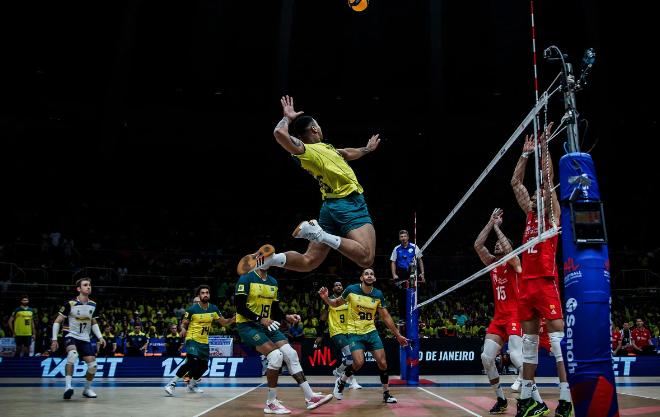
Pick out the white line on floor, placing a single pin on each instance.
(229, 400)
(450, 402)
(636, 395)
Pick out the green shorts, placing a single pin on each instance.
(341, 215)
(340, 340)
(253, 334)
(367, 342)
(200, 350)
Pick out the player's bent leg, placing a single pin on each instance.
(308, 261)
(515, 353)
(275, 359)
(381, 361)
(71, 361)
(359, 245)
(312, 400)
(556, 334)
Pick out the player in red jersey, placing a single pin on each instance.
(505, 325)
(539, 293)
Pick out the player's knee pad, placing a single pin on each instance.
(291, 358)
(275, 359)
(91, 368)
(555, 344)
(530, 348)
(491, 349)
(515, 351)
(72, 357)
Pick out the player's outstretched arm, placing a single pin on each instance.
(290, 143)
(521, 193)
(351, 154)
(505, 243)
(387, 319)
(480, 243)
(335, 302)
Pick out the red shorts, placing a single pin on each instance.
(539, 298)
(504, 326)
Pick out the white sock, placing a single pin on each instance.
(88, 384)
(564, 392)
(498, 391)
(331, 240)
(536, 395)
(526, 390)
(279, 259)
(307, 390)
(174, 380)
(68, 381)
(272, 394)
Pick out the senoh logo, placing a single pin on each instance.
(571, 306)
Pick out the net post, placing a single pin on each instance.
(411, 352)
(586, 346)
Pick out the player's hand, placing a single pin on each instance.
(496, 217)
(293, 318)
(317, 342)
(323, 292)
(274, 325)
(287, 108)
(528, 147)
(54, 346)
(402, 340)
(183, 333)
(373, 143)
(546, 133)
(102, 342)
(266, 322)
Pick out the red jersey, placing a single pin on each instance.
(539, 260)
(616, 338)
(641, 337)
(505, 290)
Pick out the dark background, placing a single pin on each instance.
(151, 121)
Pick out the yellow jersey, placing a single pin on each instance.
(23, 321)
(337, 319)
(261, 293)
(336, 178)
(201, 322)
(362, 308)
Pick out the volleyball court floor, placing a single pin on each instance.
(451, 396)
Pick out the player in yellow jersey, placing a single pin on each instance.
(364, 301)
(21, 324)
(344, 222)
(336, 318)
(258, 315)
(195, 328)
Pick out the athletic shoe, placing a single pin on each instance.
(564, 409)
(387, 398)
(530, 408)
(89, 393)
(317, 401)
(192, 387)
(68, 393)
(169, 388)
(355, 385)
(258, 260)
(275, 407)
(500, 406)
(309, 230)
(336, 372)
(515, 387)
(338, 391)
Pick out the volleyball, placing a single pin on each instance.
(358, 5)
